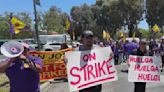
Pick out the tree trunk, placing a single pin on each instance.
(131, 27)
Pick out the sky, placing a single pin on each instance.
(63, 5)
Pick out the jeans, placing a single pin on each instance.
(139, 86)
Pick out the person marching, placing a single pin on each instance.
(141, 51)
(87, 40)
(162, 52)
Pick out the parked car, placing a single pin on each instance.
(53, 42)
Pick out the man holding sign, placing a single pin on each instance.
(143, 68)
(89, 67)
(87, 40)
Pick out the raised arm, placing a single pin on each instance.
(5, 64)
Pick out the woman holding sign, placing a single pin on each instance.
(141, 51)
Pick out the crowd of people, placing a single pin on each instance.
(123, 48)
(19, 73)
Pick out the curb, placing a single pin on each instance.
(44, 85)
(48, 82)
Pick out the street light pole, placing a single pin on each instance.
(36, 26)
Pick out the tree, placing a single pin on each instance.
(25, 17)
(108, 16)
(4, 27)
(154, 12)
(52, 20)
(82, 18)
(132, 12)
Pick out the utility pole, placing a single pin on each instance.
(36, 25)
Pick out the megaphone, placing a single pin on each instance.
(12, 49)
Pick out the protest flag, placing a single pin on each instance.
(16, 25)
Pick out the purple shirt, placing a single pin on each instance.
(23, 79)
(131, 47)
(162, 47)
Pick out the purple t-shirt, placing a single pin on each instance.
(131, 47)
(23, 79)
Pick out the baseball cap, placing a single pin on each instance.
(27, 46)
(87, 33)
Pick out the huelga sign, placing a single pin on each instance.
(90, 68)
(144, 68)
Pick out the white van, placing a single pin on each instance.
(53, 42)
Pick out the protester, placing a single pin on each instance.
(101, 44)
(162, 52)
(120, 53)
(63, 46)
(153, 47)
(23, 71)
(111, 44)
(126, 54)
(116, 53)
(132, 46)
(141, 51)
(87, 44)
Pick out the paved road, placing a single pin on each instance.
(122, 85)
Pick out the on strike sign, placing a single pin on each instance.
(90, 68)
(144, 68)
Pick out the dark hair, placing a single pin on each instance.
(64, 46)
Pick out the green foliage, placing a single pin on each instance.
(108, 15)
(52, 20)
(25, 17)
(132, 12)
(148, 34)
(154, 12)
(145, 33)
(5, 26)
(82, 18)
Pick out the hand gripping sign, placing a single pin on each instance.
(144, 68)
(90, 68)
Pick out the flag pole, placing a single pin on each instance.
(36, 26)
(11, 15)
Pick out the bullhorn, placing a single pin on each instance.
(12, 49)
